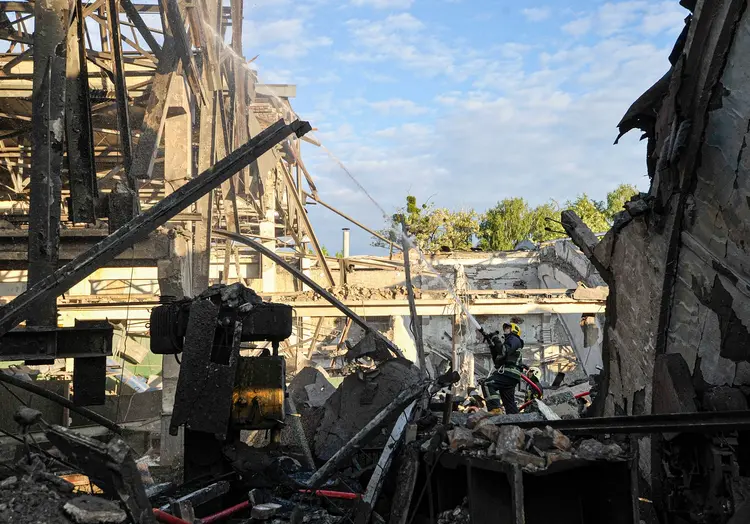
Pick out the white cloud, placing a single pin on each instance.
(616, 18)
(383, 4)
(578, 27)
(288, 38)
(398, 105)
(537, 14)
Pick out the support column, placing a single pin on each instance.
(175, 276)
(268, 228)
(47, 136)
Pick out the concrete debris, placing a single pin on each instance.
(30, 497)
(509, 438)
(459, 515)
(264, 511)
(592, 449)
(526, 460)
(356, 402)
(547, 438)
(489, 431)
(545, 410)
(460, 438)
(94, 510)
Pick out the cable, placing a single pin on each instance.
(54, 397)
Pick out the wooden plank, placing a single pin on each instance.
(79, 130)
(47, 138)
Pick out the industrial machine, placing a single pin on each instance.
(219, 392)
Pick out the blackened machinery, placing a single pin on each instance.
(220, 392)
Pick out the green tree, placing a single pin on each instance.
(433, 229)
(616, 201)
(545, 222)
(590, 212)
(504, 225)
(322, 250)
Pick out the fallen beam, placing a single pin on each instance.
(64, 278)
(384, 463)
(365, 434)
(310, 282)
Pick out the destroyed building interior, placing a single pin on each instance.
(176, 345)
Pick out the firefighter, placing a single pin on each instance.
(506, 357)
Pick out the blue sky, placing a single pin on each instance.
(463, 102)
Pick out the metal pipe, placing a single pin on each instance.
(345, 248)
(137, 229)
(310, 282)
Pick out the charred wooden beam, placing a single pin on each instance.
(47, 149)
(176, 23)
(61, 280)
(156, 108)
(141, 26)
(79, 130)
(121, 88)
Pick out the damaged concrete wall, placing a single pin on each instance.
(678, 260)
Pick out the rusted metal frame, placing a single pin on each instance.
(142, 28)
(62, 279)
(290, 151)
(416, 325)
(47, 137)
(121, 91)
(350, 219)
(335, 302)
(308, 226)
(156, 110)
(79, 130)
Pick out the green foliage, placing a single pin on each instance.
(339, 254)
(590, 213)
(322, 250)
(512, 221)
(433, 228)
(616, 201)
(502, 227)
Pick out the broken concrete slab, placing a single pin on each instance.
(94, 510)
(673, 385)
(460, 438)
(592, 449)
(358, 399)
(509, 438)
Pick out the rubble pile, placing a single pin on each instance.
(533, 449)
(29, 493)
(352, 292)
